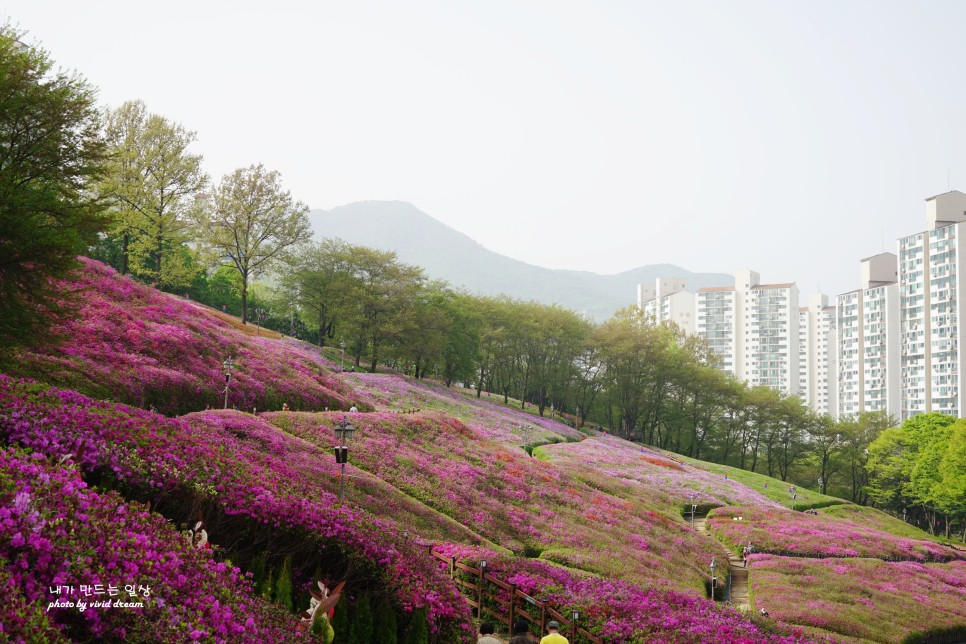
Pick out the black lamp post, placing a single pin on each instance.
(694, 506)
(228, 364)
(526, 427)
(714, 580)
(344, 431)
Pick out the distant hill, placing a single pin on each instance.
(450, 255)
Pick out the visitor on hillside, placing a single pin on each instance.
(284, 406)
(353, 408)
(520, 636)
(486, 634)
(554, 637)
(744, 556)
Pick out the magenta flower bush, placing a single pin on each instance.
(57, 537)
(233, 461)
(785, 532)
(395, 393)
(629, 469)
(529, 506)
(139, 346)
(868, 599)
(620, 611)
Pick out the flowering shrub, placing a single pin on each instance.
(142, 347)
(620, 611)
(529, 506)
(231, 460)
(780, 531)
(868, 599)
(390, 392)
(56, 534)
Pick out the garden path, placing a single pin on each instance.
(739, 574)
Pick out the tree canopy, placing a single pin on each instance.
(50, 149)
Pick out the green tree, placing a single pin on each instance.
(320, 277)
(384, 625)
(50, 152)
(151, 182)
(251, 221)
(417, 632)
(361, 631)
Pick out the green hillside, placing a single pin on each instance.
(589, 522)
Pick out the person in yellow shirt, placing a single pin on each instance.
(554, 636)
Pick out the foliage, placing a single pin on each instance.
(134, 344)
(252, 474)
(57, 532)
(251, 221)
(785, 532)
(362, 627)
(859, 598)
(49, 150)
(151, 182)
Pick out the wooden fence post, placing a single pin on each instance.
(479, 595)
(513, 605)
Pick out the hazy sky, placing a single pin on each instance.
(792, 138)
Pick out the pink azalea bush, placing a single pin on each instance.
(395, 393)
(57, 535)
(868, 599)
(620, 611)
(529, 506)
(781, 531)
(233, 461)
(142, 347)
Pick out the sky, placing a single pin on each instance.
(790, 138)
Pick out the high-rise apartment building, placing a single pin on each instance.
(668, 301)
(818, 355)
(753, 327)
(931, 296)
(868, 326)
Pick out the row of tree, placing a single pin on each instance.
(123, 186)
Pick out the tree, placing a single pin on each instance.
(320, 275)
(251, 221)
(50, 151)
(151, 182)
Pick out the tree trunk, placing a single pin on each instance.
(244, 299)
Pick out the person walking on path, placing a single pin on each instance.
(744, 557)
(554, 637)
(486, 634)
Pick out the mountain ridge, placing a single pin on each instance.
(448, 254)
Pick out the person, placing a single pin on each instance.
(520, 636)
(353, 408)
(744, 556)
(486, 634)
(284, 406)
(764, 613)
(553, 636)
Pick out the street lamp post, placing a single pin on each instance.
(228, 364)
(526, 434)
(343, 430)
(714, 579)
(694, 506)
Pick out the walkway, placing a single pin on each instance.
(739, 574)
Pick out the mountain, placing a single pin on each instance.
(450, 255)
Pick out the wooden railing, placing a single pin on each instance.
(481, 592)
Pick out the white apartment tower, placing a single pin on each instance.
(868, 341)
(668, 301)
(753, 327)
(931, 296)
(818, 355)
